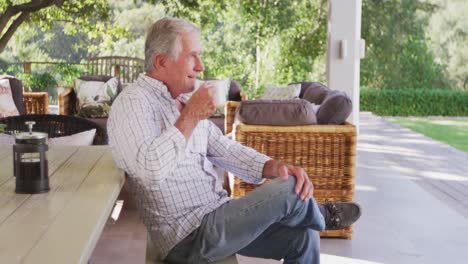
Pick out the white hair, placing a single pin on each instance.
(164, 37)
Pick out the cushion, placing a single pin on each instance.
(84, 138)
(7, 105)
(290, 112)
(94, 98)
(282, 92)
(17, 91)
(234, 91)
(335, 108)
(315, 92)
(218, 121)
(102, 78)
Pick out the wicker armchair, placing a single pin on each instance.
(326, 152)
(55, 126)
(126, 69)
(36, 102)
(67, 100)
(27, 102)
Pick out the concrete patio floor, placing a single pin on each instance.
(414, 195)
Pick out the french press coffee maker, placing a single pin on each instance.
(30, 161)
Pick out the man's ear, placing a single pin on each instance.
(160, 61)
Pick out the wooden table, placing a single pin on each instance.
(63, 225)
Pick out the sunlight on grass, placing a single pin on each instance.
(451, 132)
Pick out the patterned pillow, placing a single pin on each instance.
(7, 105)
(282, 92)
(95, 98)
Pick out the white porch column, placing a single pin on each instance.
(345, 49)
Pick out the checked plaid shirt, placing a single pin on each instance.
(174, 182)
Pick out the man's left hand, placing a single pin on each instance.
(284, 170)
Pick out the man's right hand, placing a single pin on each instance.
(201, 105)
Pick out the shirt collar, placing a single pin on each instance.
(156, 85)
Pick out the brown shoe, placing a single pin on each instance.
(341, 214)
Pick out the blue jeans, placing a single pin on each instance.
(270, 222)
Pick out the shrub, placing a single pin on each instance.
(414, 102)
(38, 82)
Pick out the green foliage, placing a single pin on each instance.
(68, 32)
(262, 42)
(448, 37)
(259, 42)
(66, 74)
(11, 69)
(132, 18)
(38, 82)
(76, 15)
(397, 54)
(414, 102)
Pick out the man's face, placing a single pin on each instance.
(182, 72)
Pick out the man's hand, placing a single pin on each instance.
(274, 169)
(201, 105)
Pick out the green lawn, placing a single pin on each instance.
(452, 132)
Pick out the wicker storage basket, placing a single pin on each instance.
(326, 152)
(36, 102)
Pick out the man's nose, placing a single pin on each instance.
(199, 65)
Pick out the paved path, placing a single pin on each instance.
(414, 192)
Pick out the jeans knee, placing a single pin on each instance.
(290, 186)
(287, 185)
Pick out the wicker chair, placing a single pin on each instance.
(326, 152)
(55, 126)
(67, 101)
(27, 102)
(126, 69)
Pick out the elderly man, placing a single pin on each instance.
(168, 150)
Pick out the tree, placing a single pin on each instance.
(131, 18)
(73, 13)
(258, 42)
(448, 37)
(397, 53)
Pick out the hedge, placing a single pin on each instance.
(414, 102)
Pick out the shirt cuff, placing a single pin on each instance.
(256, 168)
(183, 98)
